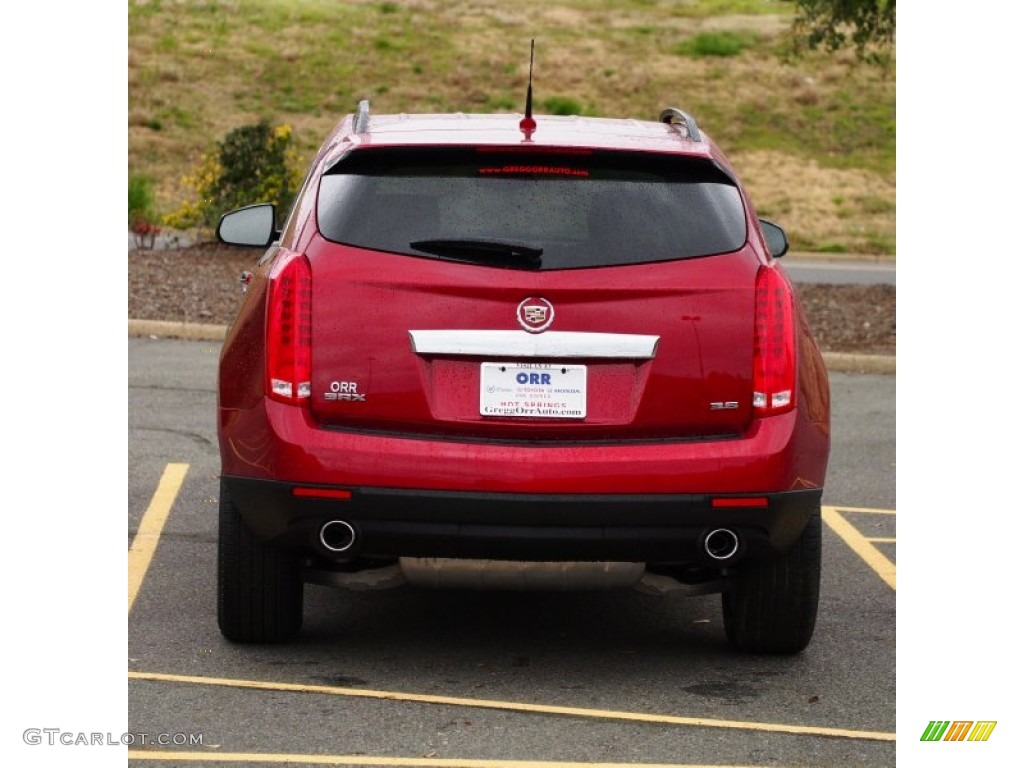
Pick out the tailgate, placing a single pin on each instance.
(412, 345)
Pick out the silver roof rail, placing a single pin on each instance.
(362, 121)
(674, 116)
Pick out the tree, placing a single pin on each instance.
(868, 25)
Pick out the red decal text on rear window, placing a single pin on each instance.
(547, 170)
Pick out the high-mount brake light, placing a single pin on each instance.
(774, 344)
(290, 329)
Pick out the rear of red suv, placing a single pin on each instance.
(483, 355)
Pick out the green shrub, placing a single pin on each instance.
(142, 211)
(140, 197)
(252, 164)
(562, 105)
(721, 44)
(831, 248)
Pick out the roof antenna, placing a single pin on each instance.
(528, 125)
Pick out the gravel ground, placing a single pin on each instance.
(199, 284)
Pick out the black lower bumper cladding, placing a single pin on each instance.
(392, 523)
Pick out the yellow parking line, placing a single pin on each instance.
(866, 510)
(140, 553)
(416, 762)
(860, 544)
(329, 690)
(881, 539)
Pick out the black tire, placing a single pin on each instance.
(774, 603)
(259, 587)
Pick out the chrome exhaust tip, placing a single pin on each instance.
(721, 544)
(337, 536)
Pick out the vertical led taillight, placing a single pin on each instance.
(774, 344)
(290, 328)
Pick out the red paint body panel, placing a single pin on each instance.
(503, 130)
(365, 304)
(275, 441)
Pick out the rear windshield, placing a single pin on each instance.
(531, 210)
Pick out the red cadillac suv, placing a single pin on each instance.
(515, 353)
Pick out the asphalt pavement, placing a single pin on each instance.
(828, 269)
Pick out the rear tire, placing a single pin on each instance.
(259, 587)
(774, 603)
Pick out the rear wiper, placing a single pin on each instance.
(466, 249)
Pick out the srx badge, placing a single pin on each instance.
(345, 390)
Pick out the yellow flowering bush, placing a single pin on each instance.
(251, 164)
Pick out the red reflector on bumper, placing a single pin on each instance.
(753, 501)
(322, 493)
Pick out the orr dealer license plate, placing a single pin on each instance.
(533, 390)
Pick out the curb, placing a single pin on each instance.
(845, 362)
(839, 362)
(839, 258)
(169, 330)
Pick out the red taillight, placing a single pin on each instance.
(774, 344)
(290, 329)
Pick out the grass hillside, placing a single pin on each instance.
(814, 138)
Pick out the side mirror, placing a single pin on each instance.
(776, 238)
(251, 226)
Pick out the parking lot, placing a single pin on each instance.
(407, 677)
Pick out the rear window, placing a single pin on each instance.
(529, 209)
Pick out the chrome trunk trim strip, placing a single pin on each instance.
(553, 344)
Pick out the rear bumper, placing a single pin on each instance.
(273, 441)
(419, 497)
(501, 526)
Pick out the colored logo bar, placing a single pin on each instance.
(958, 730)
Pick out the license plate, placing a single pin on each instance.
(533, 390)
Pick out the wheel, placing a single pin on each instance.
(259, 587)
(774, 603)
